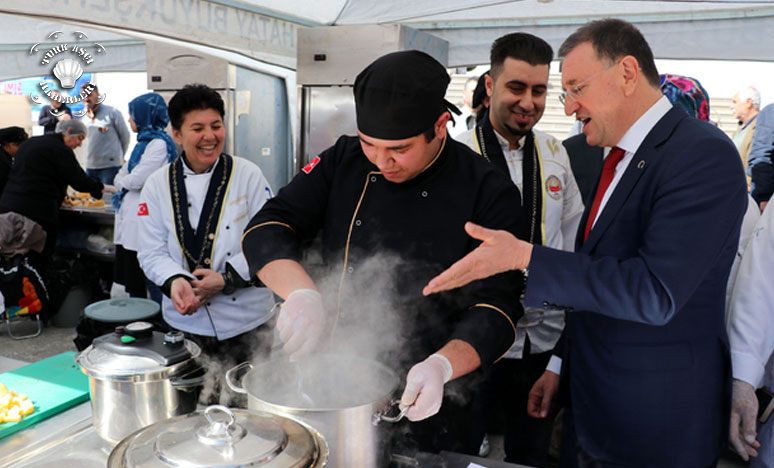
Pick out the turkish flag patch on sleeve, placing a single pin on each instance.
(308, 168)
(143, 210)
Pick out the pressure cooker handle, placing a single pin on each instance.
(378, 417)
(234, 379)
(186, 382)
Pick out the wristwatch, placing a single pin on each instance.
(228, 287)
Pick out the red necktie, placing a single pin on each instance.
(608, 171)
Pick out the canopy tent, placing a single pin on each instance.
(265, 30)
(732, 29)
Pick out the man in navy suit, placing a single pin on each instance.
(646, 352)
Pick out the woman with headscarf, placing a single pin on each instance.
(687, 93)
(148, 117)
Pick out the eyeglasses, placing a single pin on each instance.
(577, 91)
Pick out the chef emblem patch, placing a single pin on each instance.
(143, 209)
(554, 187)
(308, 168)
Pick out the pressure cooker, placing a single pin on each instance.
(138, 376)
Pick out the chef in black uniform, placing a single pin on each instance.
(401, 190)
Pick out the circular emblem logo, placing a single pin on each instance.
(554, 187)
(67, 61)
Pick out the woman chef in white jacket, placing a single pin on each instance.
(192, 214)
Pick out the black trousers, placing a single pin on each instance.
(505, 390)
(127, 272)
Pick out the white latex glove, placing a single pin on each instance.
(301, 321)
(744, 413)
(424, 387)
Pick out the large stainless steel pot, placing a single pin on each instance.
(344, 397)
(138, 376)
(222, 437)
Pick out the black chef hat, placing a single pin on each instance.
(12, 135)
(400, 95)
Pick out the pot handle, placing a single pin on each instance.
(378, 417)
(185, 382)
(233, 381)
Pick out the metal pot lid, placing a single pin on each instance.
(136, 350)
(122, 310)
(222, 437)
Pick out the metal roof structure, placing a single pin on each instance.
(265, 30)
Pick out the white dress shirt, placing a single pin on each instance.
(631, 142)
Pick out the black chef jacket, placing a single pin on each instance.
(417, 226)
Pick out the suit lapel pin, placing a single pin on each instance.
(641, 164)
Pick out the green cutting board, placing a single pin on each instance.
(53, 384)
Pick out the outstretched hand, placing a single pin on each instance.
(500, 251)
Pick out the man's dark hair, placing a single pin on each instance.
(519, 46)
(613, 39)
(193, 97)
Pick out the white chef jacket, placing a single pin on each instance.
(751, 331)
(563, 208)
(751, 324)
(161, 257)
(127, 225)
(749, 223)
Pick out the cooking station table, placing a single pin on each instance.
(63, 440)
(68, 439)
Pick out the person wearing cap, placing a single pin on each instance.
(43, 168)
(10, 139)
(390, 205)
